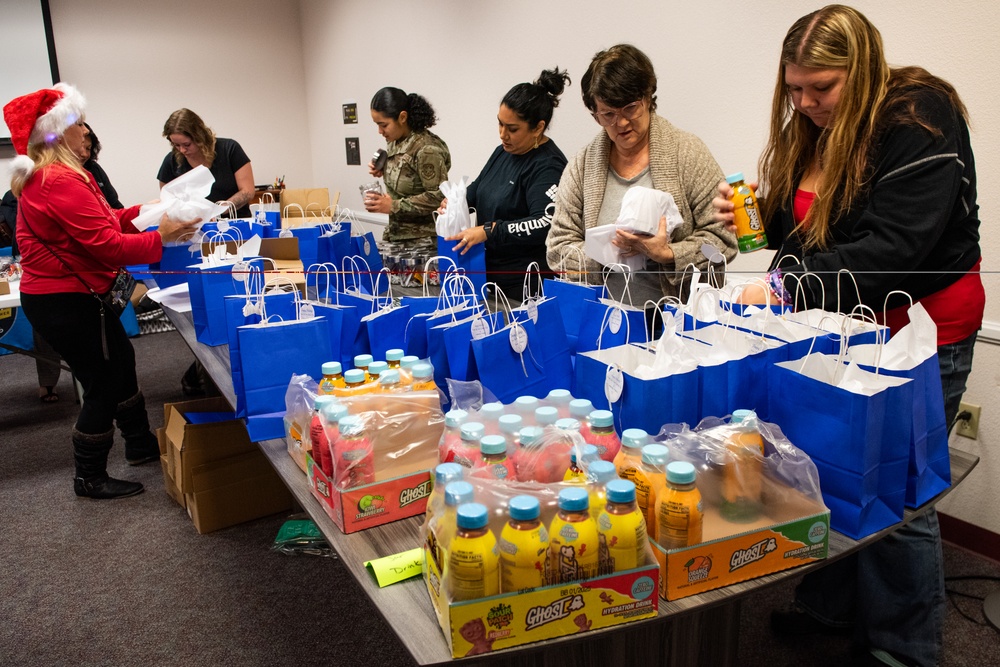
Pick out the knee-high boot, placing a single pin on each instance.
(92, 481)
(133, 422)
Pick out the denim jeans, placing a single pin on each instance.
(892, 592)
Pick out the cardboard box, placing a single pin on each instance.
(214, 471)
(512, 619)
(4, 287)
(283, 251)
(793, 532)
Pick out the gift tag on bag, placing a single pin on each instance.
(614, 382)
(518, 338)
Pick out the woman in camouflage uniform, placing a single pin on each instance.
(417, 164)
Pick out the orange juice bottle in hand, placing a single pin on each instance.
(750, 234)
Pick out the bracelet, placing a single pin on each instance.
(777, 285)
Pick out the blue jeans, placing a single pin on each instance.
(892, 592)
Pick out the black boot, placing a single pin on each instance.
(141, 445)
(91, 455)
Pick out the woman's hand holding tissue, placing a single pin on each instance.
(376, 203)
(171, 230)
(656, 247)
(468, 238)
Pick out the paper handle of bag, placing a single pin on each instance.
(267, 198)
(324, 269)
(866, 314)
(532, 268)
(280, 280)
(799, 279)
(498, 295)
(716, 278)
(427, 268)
(462, 289)
(376, 281)
(290, 207)
(606, 322)
(217, 238)
(626, 271)
(230, 211)
(253, 284)
(581, 260)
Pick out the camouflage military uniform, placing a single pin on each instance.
(416, 167)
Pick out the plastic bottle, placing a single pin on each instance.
(599, 473)
(355, 384)
(560, 399)
(451, 437)
(580, 408)
(602, 434)
(493, 457)
(679, 510)
(332, 413)
(467, 452)
(654, 465)
(525, 406)
(573, 538)
(361, 362)
(546, 415)
(354, 457)
(332, 377)
(406, 365)
(579, 459)
(318, 442)
(630, 455)
(423, 377)
(444, 474)
(622, 528)
(444, 527)
(408, 361)
(742, 476)
(389, 382)
(510, 427)
(393, 357)
(528, 455)
(524, 547)
(375, 369)
(750, 234)
(643, 475)
(473, 557)
(489, 415)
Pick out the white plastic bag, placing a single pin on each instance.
(456, 217)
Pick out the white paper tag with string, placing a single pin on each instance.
(518, 338)
(368, 247)
(223, 225)
(306, 311)
(240, 270)
(532, 307)
(480, 328)
(615, 320)
(614, 382)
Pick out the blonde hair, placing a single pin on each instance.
(43, 155)
(190, 124)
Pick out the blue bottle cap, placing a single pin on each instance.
(409, 361)
(546, 415)
(601, 472)
(680, 472)
(446, 473)
(472, 516)
(656, 455)
(620, 491)
(575, 499)
(602, 418)
(491, 411)
(472, 431)
(376, 367)
(362, 360)
(589, 454)
(493, 444)
(634, 438)
(351, 425)
(734, 178)
(559, 396)
(422, 371)
(456, 493)
(743, 415)
(455, 418)
(323, 399)
(568, 424)
(580, 408)
(388, 376)
(354, 376)
(530, 435)
(510, 424)
(526, 403)
(524, 508)
(331, 368)
(334, 412)
(394, 354)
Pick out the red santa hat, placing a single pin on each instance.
(41, 117)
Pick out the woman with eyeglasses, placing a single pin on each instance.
(636, 148)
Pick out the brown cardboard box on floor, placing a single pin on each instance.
(213, 469)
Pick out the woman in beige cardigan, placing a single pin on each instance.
(637, 148)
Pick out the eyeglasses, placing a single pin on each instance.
(628, 112)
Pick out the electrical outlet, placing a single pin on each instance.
(969, 428)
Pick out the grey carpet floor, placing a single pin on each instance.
(130, 582)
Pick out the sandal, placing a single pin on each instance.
(50, 395)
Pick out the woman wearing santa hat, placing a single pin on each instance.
(72, 244)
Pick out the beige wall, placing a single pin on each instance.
(274, 76)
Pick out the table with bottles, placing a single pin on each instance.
(702, 629)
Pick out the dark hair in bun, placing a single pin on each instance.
(393, 101)
(535, 101)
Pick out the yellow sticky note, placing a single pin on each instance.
(397, 567)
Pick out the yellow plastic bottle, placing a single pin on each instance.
(423, 377)
(742, 475)
(580, 457)
(573, 538)
(622, 528)
(333, 377)
(750, 234)
(524, 547)
(442, 528)
(644, 476)
(679, 509)
(393, 357)
(599, 473)
(473, 557)
(444, 474)
(630, 455)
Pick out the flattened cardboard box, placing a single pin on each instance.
(231, 491)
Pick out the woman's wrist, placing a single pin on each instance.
(776, 283)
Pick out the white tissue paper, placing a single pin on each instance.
(456, 218)
(642, 209)
(182, 199)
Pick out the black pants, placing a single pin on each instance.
(71, 323)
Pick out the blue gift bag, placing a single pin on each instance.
(208, 286)
(172, 268)
(308, 237)
(472, 263)
(571, 297)
(553, 343)
(593, 334)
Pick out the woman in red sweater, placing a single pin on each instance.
(72, 244)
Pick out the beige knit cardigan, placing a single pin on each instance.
(679, 163)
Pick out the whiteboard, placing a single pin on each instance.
(27, 43)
